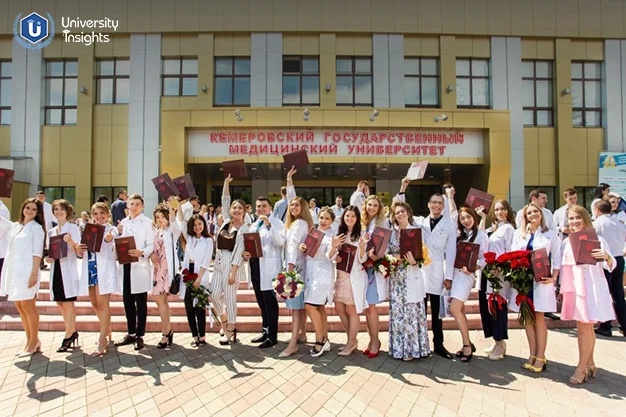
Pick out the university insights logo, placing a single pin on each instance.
(33, 31)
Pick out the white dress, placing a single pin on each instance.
(320, 274)
(25, 242)
(463, 283)
(106, 266)
(544, 296)
(500, 242)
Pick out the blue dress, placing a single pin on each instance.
(92, 267)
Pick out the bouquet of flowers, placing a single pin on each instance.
(201, 296)
(492, 271)
(519, 273)
(288, 284)
(383, 266)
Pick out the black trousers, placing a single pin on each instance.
(135, 306)
(616, 287)
(437, 324)
(196, 317)
(266, 301)
(497, 328)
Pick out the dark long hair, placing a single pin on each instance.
(343, 227)
(190, 223)
(510, 214)
(597, 193)
(462, 231)
(38, 218)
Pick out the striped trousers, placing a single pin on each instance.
(224, 295)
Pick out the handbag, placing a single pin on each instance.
(444, 304)
(175, 286)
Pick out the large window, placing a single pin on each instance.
(537, 93)
(5, 92)
(112, 81)
(301, 81)
(110, 192)
(232, 81)
(585, 196)
(180, 77)
(421, 82)
(56, 193)
(472, 83)
(354, 81)
(61, 92)
(586, 93)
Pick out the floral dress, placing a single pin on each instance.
(161, 281)
(408, 326)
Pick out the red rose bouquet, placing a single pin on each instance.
(519, 273)
(201, 296)
(288, 284)
(493, 272)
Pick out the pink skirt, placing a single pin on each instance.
(343, 289)
(586, 296)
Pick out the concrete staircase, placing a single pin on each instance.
(248, 314)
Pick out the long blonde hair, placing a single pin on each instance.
(524, 225)
(305, 214)
(583, 213)
(379, 219)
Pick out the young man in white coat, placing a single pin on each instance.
(263, 270)
(440, 238)
(560, 215)
(539, 197)
(137, 276)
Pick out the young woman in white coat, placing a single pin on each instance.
(319, 283)
(65, 279)
(136, 277)
(100, 271)
(197, 259)
(533, 234)
(500, 241)
(350, 288)
(20, 272)
(228, 259)
(463, 280)
(297, 226)
(586, 295)
(377, 286)
(408, 326)
(164, 265)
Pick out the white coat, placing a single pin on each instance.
(382, 283)
(141, 271)
(544, 296)
(106, 265)
(500, 242)
(170, 237)
(415, 276)
(73, 285)
(198, 250)
(320, 274)
(441, 244)
(462, 283)
(25, 242)
(272, 241)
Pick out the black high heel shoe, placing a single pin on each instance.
(67, 343)
(466, 358)
(230, 336)
(170, 337)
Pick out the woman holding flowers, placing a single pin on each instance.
(350, 288)
(377, 290)
(408, 327)
(500, 241)
(196, 264)
(228, 260)
(297, 226)
(533, 234)
(463, 280)
(319, 280)
(164, 265)
(586, 296)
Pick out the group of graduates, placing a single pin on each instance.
(589, 294)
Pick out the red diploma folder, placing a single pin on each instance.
(92, 236)
(57, 248)
(379, 241)
(411, 241)
(312, 242)
(476, 198)
(122, 246)
(252, 244)
(298, 159)
(583, 243)
(466, 256)
(236, 169)
(347, 255)
(541, 264)
(165, 186)
(185, 187)
(417, 170)
(6, 182)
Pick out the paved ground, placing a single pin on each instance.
(244, 380)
